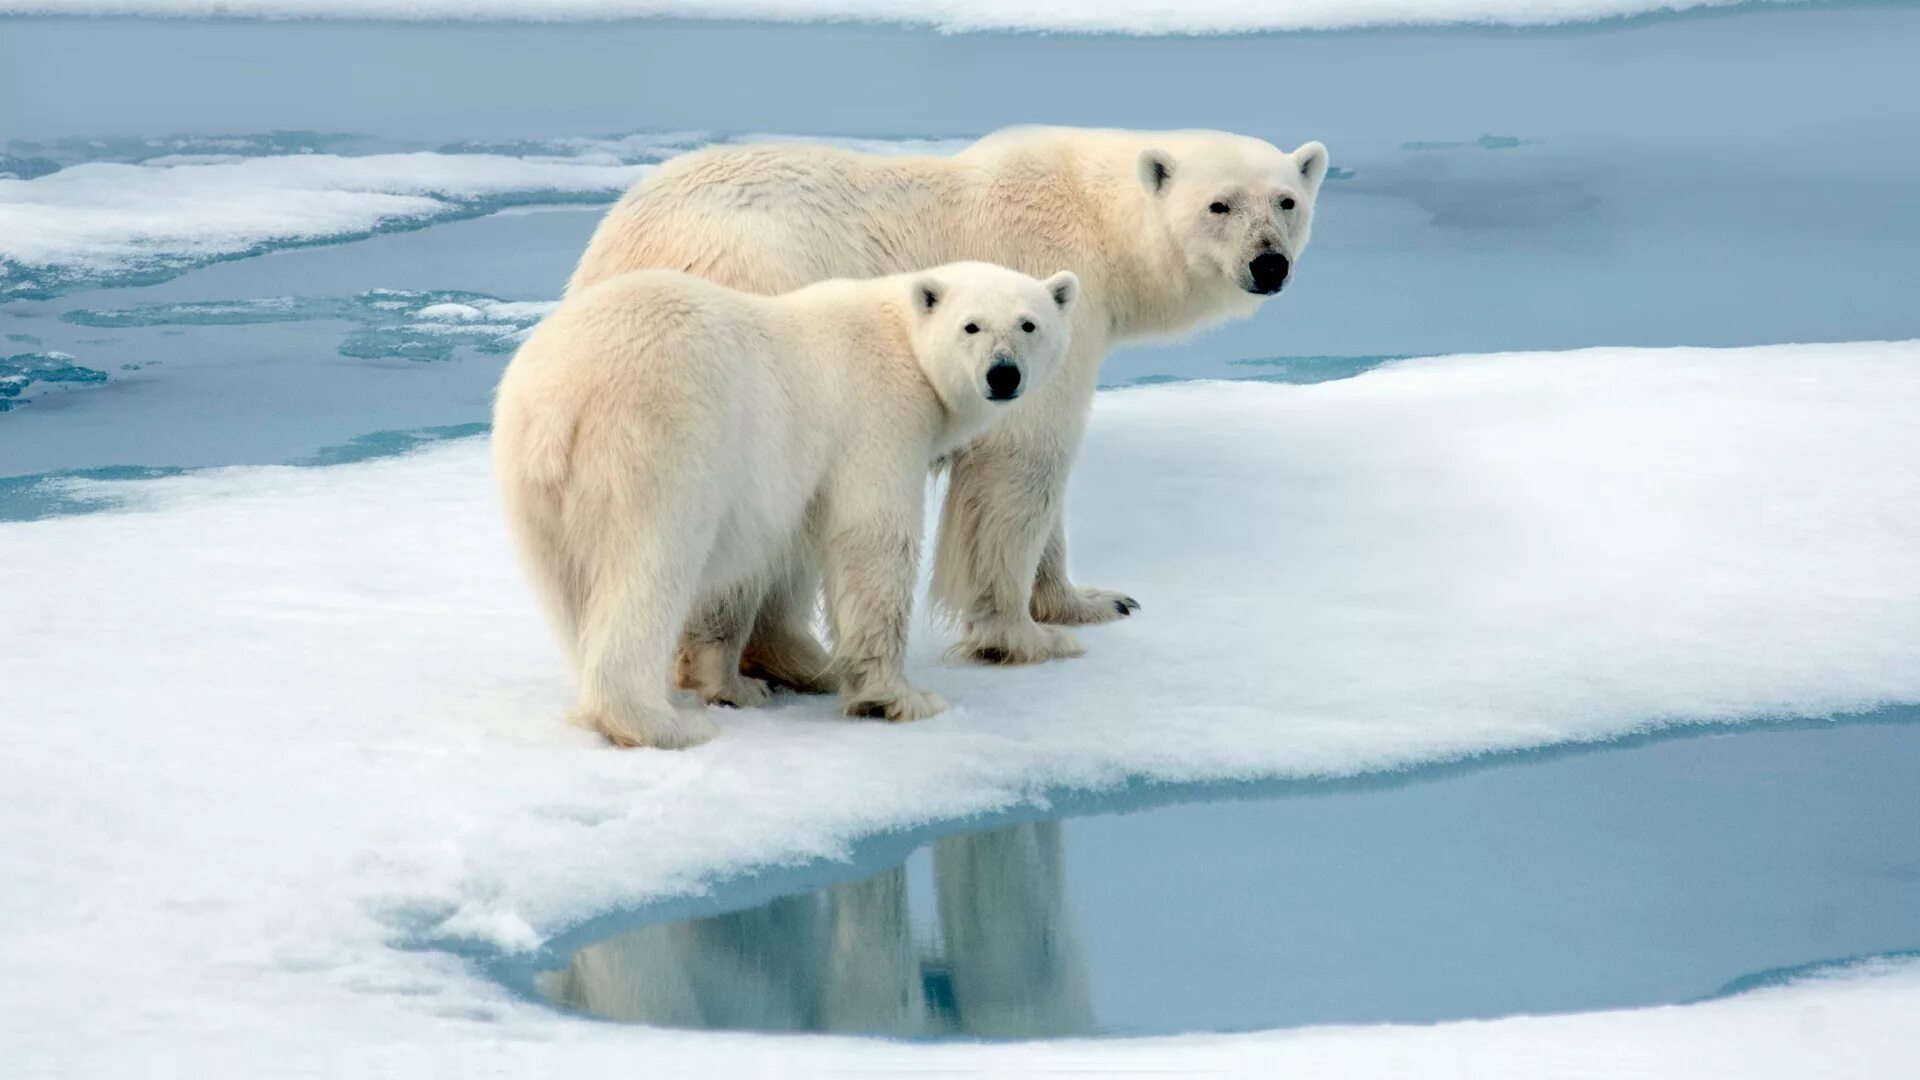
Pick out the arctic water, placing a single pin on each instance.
(1662, 872)
(1646, 182)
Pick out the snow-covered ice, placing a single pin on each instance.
(119, 223)
(274, 724)
(136, 211)
(1086, 16)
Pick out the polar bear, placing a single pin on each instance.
(661, 442)
(1168, 231)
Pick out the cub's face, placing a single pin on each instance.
(987, 336)
(1239, 209)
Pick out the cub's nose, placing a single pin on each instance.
(1268, 273)
(1003, 380)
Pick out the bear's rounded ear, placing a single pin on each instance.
(1064, 287)
(1312, 160)
(927, 293)
(1155, 168)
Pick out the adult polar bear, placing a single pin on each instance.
(1167, 231)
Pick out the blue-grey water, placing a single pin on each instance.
(1662, 872)
(1737, 178)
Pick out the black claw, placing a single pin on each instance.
(868, 710)
(992, 654)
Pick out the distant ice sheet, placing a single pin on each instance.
(122, 223)
(1084, 16)
(87, 212)
(271, 722)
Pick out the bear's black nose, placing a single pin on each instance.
(1003, 381)
(1269, 272)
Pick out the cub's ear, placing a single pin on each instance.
(1064, 287)
(1155, 169)
(1312, 159)
(927, 294)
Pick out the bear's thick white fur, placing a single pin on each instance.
(664, 445)
(1131, 212)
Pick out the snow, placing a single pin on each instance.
(268, 728)
(488, 310)
(123, 222)
(1080, 16)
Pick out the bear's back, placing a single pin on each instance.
(771, 218)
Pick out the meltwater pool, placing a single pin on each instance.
(1659, 872)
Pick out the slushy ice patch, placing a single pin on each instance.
(20, 373)
(394, 323)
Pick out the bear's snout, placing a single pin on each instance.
(1003, 380)
(1267, 273)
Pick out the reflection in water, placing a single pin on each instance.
(1007, 962)
(1642, 874)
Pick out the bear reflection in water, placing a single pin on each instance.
(1006, 962)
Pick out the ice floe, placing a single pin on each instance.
(126, 223)
(277, 723)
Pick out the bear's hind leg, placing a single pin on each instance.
(709, 657)
(641, 588)
(783, 649)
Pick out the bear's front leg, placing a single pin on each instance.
(1059, 601)
(870, 548)
(1003, 496)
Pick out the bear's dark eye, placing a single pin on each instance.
(1219, 208)
(973, 328)
(1027, 326)
(1286, 203)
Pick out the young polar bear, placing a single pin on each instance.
(662, 442)
(1168, 230)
